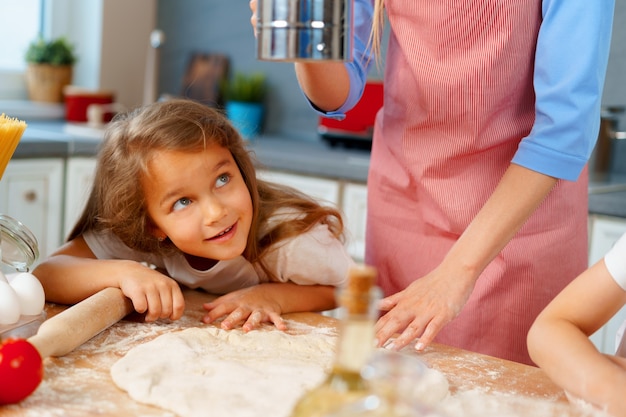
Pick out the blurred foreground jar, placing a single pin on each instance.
(358, 312)
(392, 378)
(304, 30)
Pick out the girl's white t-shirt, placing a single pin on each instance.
(314, 257)
(615, 261)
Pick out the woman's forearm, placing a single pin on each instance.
(515, 199)
(326, 84)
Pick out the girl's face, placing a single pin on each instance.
(200, 201)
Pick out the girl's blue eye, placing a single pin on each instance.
(182, 203)
(223, 180)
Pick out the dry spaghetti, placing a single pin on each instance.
(11, 131)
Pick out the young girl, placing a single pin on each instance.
(559, 343)
(175, 188)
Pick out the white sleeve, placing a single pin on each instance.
(314, 257)
(615, 261)
(105, 245)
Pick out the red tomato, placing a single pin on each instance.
(21, 370)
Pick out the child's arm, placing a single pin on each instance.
(73, 273)
(559, 341)
(250, 307)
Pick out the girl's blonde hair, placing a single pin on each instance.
(117, 201)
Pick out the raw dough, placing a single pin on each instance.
(212, 372)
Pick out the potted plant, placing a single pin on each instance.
(50, 68)
(244, 96)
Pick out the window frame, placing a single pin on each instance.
(53, 22)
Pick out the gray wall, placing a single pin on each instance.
(223, 26)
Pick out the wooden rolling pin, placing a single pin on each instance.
(71, 328)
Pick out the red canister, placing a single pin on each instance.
(77, 100)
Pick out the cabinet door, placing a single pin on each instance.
(80, 173)
(605, 231)
(324, 190)
(31, 191)
(355, 209)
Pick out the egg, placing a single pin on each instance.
(9, 304)
(29, 292)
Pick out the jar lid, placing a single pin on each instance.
(18, 245)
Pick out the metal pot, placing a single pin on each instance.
(304, 30)
(601, 158)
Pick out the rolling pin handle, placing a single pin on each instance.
(71, 328)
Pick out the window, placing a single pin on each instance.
(20, 22)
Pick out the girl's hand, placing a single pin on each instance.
(249, 307)
(151, 292)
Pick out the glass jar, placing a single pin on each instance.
(18, 252)
(358, 302)
(392, 378)
(18, 246)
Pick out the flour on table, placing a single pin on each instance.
(211, 372)
(477, 403)
(432, 388)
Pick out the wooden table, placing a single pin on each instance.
(79, 384)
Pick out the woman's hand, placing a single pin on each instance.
(249, 308)
(151, 292)
(422, 309)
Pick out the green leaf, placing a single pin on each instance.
(55, 52)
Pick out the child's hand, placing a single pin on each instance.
(151, 292)
(248, 307)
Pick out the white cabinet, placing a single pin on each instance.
(78, 180)
(324, 190)
(604, 232)
(31, 191)
(354, 202)
(349, 198)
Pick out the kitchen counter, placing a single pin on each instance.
(607, 195)
(608, 204)
(309, 157)
(79, 384)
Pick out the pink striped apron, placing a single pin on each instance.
(458, 100)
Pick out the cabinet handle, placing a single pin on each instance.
(30, 196)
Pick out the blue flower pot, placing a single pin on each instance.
(247, 118)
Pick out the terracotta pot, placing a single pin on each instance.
(46, 82)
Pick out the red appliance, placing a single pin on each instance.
(357, 128)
